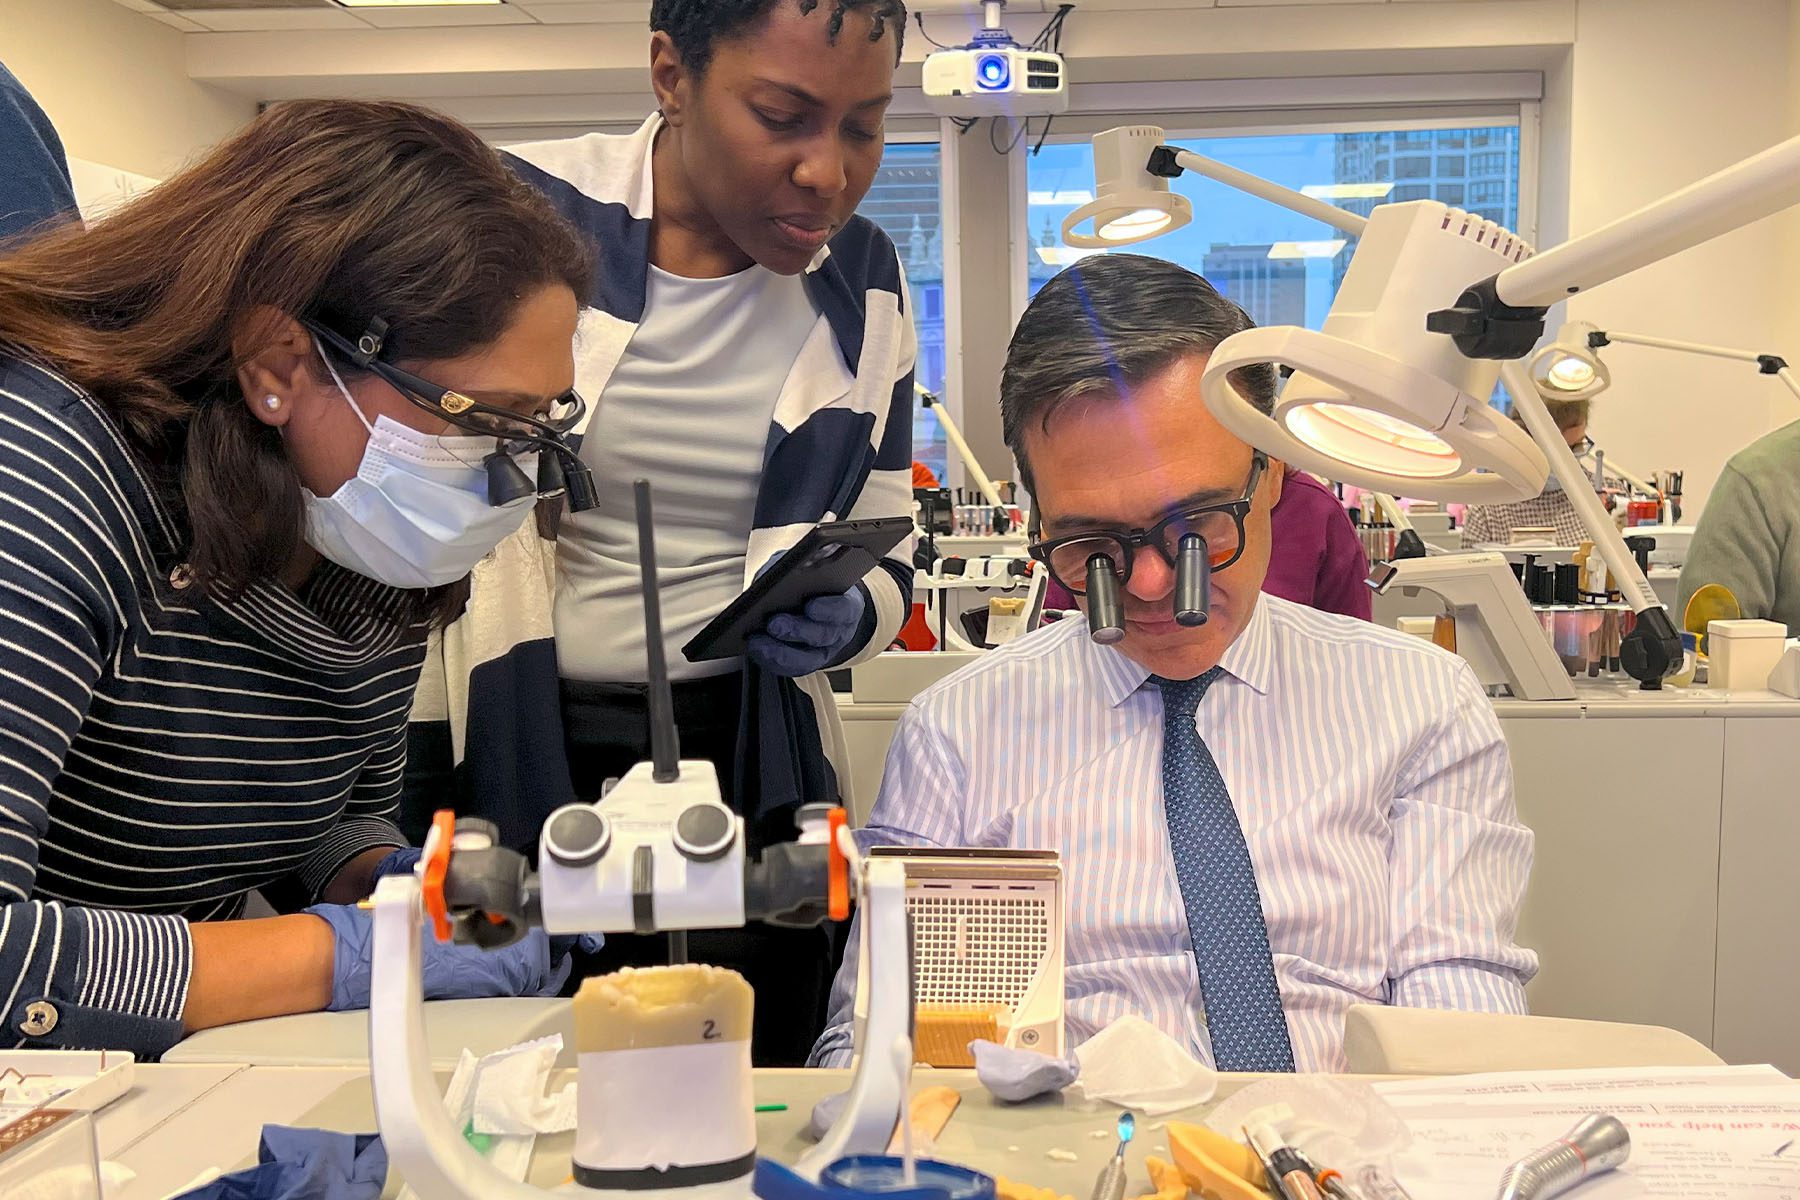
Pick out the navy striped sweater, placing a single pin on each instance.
(161, 754)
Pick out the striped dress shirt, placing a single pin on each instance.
(1369, 775)
(162, 753)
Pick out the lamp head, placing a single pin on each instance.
(1570, 368)
(1131, 202)
(1377, 400)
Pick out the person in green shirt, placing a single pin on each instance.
(1746, 538)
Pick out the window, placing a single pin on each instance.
(906, 200)
(1416, 166)
(1484, 165)
(1283, 268)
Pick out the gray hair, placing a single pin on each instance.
(1106, 325)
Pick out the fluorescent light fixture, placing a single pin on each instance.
(1347, 191)
(1069, 198)
(416, 3)
(1131, 205)
(1064, 256)
(1324, 249)
(1569, 368)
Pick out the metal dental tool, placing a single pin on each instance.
(1597, 1144)
(1193, 582)
(1106, 621)
(1111, 1184)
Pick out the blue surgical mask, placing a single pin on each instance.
(416, 514)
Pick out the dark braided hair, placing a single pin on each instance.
(696, 26)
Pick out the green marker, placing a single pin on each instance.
(763, 1108)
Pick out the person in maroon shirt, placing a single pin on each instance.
(1315, 556)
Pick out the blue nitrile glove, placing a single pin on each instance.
(1015, 1075)
(306, 1164)
(452, 972)
(399, 862)
(795, 644)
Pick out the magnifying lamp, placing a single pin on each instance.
(1570, 368)
(1391, 394)
(1132, 200)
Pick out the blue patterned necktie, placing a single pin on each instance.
(1218, 889)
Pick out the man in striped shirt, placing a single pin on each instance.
(1263, 820)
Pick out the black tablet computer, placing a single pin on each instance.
(828, 561)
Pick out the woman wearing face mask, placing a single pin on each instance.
(1492, 524)
(231, 508)
(749, 352)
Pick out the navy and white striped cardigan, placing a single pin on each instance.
(840, 446)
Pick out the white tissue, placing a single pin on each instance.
(509, 1091)
(1135, 1065)
(507, 1088)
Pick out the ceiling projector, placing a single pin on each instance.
(994, 76)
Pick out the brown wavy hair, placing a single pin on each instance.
(338, 211)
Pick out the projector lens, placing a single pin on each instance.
(993, 73)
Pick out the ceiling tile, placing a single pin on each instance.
(255, 21)
(423, 18)
(175, 22)
(585, 12)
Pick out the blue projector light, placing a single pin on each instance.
(993, 73)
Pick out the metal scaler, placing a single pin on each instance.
(1596, 1145)
(1111, 1184)
(1193, 582)
(1106, 620)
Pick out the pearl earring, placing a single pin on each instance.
(271, 402)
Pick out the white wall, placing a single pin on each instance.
(115, 84)
(1657, 94)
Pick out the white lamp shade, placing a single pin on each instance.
(1125, 217)
(1377, 422)
(1568, 368)
(1131, 203)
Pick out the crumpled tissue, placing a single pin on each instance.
(1135, 1065)
(509, 1091)
(500, 1098)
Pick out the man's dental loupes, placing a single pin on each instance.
(1193, 581)
(1106, 622)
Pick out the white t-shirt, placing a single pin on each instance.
(689, 408)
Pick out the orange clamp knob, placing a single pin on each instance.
(838, 868)
(437, 866)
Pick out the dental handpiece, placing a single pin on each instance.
(1193, 582)
(1597, 1144)
(1106, 621)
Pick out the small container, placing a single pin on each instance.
(52, 1149)
(1741, 655)
(885, 1175)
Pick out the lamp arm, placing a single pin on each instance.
(1757, 187)
(1578, 487)
(1396, 516)
(1262, 188)
(1771, 364)
(951, 432)
(1656, 343)
(1642, 485)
